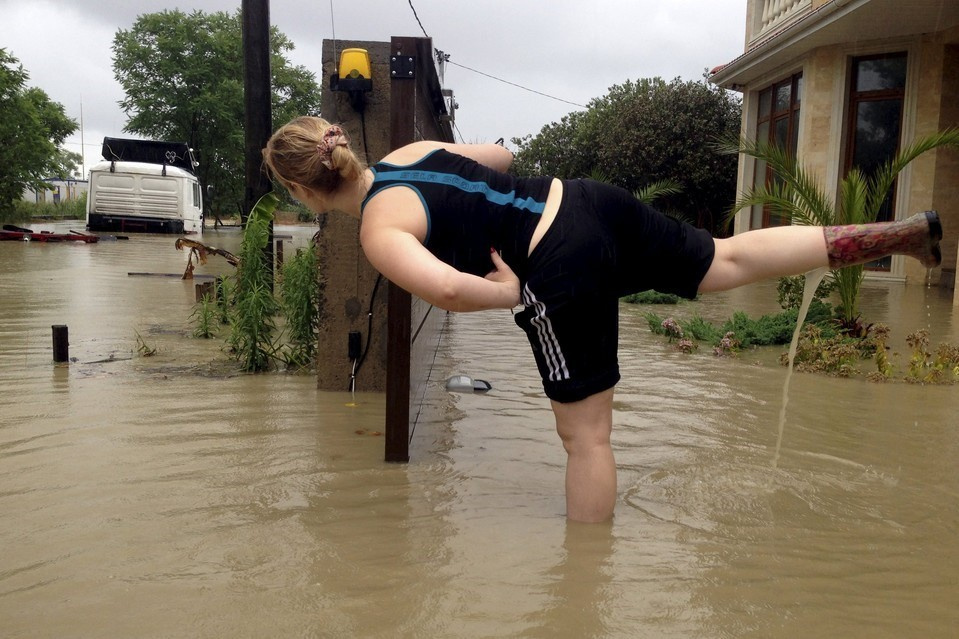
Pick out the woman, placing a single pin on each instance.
(446, 223)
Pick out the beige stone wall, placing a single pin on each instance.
(946, 176)
(818, 143)
(934, 177)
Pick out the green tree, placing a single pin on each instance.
(32, 128)
(645, 132)
(797, 195)
(183, 79)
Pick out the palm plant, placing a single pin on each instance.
(797, 195)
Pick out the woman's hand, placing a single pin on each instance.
(503, 274)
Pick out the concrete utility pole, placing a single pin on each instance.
(257, 92)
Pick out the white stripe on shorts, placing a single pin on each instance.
(552, 352)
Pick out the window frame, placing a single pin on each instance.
(854, 98)
(789, 114)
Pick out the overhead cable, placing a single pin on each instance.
(418, 19)
(519, 86)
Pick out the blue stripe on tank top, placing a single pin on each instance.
(455, 181)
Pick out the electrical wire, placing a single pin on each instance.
(444, 57)
(333, 29)
(418, 19)
(358, 363)
(518, 86)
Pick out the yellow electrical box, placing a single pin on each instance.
(354, 76)
(355, 64)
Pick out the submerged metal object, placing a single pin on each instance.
(466, 384)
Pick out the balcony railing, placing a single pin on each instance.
(778, 12)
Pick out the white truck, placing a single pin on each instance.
(145, 186)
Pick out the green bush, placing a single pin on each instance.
(767, 330)
(652, 297)
(790, 290)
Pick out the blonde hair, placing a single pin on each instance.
(292, 157)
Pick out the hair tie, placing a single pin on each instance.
(333, 137)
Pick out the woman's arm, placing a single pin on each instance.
(494, 156)
(401, 258)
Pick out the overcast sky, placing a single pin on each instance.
(573, 50)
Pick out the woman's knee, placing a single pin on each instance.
(587, 423)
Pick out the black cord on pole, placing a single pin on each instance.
(358, 364)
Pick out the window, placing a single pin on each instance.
(778, 123)
(876, 94)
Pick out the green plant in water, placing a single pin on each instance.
(929, 369)
(652, 297)
(797, 195)
(252, 315)
(205, 317)
(727, 346)
(742, 330)
(225, 291)
(789, 290)
(834, 355)
(24, 211)
(301, 290)
(142, 349)
(884, 369)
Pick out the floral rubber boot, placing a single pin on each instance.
(917, 236)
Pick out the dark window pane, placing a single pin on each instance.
(762, 132)
(877, 133)
(765, 103)
(782, 133)
(881, 74)
(798, 97)
(783, 92)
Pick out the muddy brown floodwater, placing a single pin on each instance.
(167, 496)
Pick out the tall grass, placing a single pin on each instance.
(23, 211)
(252, 316)
(301, 291)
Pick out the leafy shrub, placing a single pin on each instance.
(652, 297)
(767, 330)
(790, 290)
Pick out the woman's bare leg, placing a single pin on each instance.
(585, 427)
(791, 250)
(763, 254)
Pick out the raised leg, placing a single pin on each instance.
(791, 250)
(585, 427)
(763, 254)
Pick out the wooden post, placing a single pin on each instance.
(205, 288)
(61, 343)
(402, 132)
(258, 120)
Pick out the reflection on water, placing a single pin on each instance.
(167, 496)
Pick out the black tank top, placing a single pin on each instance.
(469, 208)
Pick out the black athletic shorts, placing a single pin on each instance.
(603, 244)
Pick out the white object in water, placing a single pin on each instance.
(466, 384)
